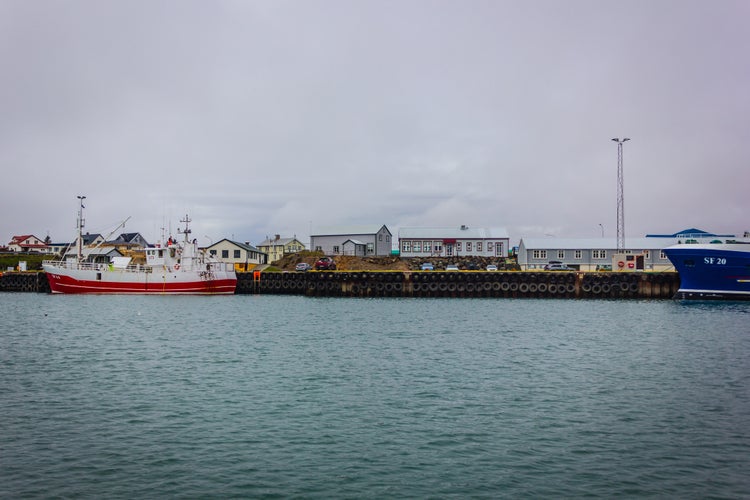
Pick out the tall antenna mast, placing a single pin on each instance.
(80, 225)
(620, 197)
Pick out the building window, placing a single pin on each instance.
(426, 246)
(438, 247)
(212, 252)
(479, 246)
(318, 248)
(578, 255)
(489, 246)
(225, 254)
(370, 247)
(380, 237)
(468, 246)
(662, 255)
(406, 246)
(335, 249)
(647, 254)
(599, 254)
(561, 254)
(539, 254)
(417, 246)
(237, 254)
(458, 246)
(387, 238)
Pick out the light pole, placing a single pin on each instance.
(620, 197)
(602, 226)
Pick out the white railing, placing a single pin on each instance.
(96, 266)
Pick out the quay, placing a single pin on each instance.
(501, 284)
(569, 285)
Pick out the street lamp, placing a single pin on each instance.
(620, 197)
(601, 226)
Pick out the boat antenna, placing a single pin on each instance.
(80, 224)
(187, 229)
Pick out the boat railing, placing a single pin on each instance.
(96, 266)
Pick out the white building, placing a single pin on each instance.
(453, 241)
(592, 254)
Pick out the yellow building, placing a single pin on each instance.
(277, 247)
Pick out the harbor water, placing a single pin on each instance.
(290, 396)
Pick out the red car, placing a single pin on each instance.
(325, 264)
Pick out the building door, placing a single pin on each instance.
(499, 249)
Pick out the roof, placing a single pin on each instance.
(90, 238)
(19, 240)
(88, 252)
(595, 243)
(127, 237)
(274, 242)
(347, 230)
(457, 232)
(243, 246)
(356, 242)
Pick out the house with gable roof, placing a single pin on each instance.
(244, 256)
(368, 240)
(129, 240)
(278, 247)
(28, 243)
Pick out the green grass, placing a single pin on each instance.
(33, 261)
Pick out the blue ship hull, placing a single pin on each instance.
(712, 271)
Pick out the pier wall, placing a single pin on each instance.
(563, 285)
(463, 284)
(29, 281)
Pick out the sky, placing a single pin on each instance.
(258, 118)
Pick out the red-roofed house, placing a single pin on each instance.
(28, 243)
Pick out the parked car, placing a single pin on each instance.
(451, 267)
(325, 264)
(302, 266)
(556, 267)
(492, 267)
(427, 266)
(472, 266)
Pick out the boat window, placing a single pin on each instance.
(689, 263)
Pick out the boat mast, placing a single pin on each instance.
(80, 224)
(187, 229)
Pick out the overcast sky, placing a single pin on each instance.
(274, 117)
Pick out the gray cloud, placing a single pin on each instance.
(271, 117)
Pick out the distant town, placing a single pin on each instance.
(463, 242)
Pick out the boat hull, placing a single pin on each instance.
(75, 281)
(712, 271)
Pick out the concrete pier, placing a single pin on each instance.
(561, 285)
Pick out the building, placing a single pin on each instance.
(365, 241)
(455, 241)
(129, 240)
(278, 247)
(89, 240)
(244, 256)
(592, 254)
(28, 243)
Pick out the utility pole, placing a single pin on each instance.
(620, 197)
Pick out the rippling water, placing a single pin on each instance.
(247, 396)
